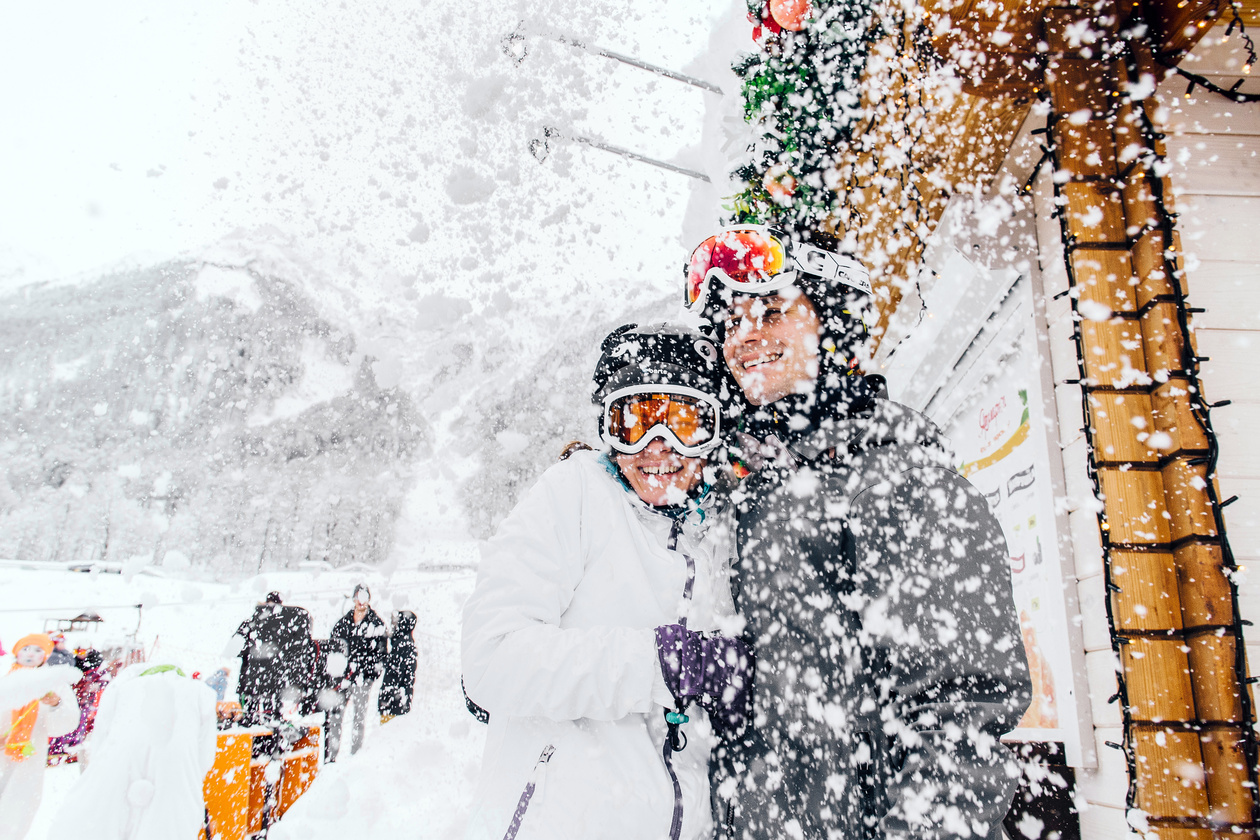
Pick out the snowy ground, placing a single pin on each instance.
(427, 761)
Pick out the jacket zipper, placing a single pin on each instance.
(522, 804)
(675, 529)
(675, 826)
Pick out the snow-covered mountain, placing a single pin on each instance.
(211, 413)
(195, 412)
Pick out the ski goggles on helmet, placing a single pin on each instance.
(685, 418)
(759, 260)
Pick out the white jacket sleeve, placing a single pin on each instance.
(517, 660)
(64, 717)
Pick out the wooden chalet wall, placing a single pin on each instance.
(1214, 148)
(1183, 710)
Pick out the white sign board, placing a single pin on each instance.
(981, 379)
(999, 443)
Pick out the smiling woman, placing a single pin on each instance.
(581, 640)
(658, 438)
(659, 475)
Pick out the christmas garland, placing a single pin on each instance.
(802, 88)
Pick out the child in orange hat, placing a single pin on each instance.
(37, 702)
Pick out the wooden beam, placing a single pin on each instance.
(1170, 779)
(1129, 424)
(1171, 608)
(1147, 598)
(1203, 589)
(1157, 677)
(999, 44)
(1172, 414)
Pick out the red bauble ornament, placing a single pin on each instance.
(765, 22)
(790, 14)
(779, 183)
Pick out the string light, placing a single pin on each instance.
(1190, 371)
(1231, 93)
(1249, 44)
(1201, 81)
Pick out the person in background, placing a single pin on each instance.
(36, 703)
(399, 682)
(321, 696)
(360, 636)
(218, 683)
(61, 655)
(87, 691)
(154, 743)
(276, 652)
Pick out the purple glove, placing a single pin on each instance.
(714, 671)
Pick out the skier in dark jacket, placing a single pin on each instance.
(277, 658)
(360, 636)
(872, 577)
(399, 681)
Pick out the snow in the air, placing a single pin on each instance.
(296, 298)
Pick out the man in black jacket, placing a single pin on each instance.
(360, 636)
(277, 658)
(872, 577)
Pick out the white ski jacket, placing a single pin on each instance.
(559, 647)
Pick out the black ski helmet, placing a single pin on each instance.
(658, 354)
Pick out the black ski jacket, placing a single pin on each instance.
(277, 653)
(400, 668)
(362, 643)
(875, 586)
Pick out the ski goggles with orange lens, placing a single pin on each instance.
(687, 420)
(759, 260)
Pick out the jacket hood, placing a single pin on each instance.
(406, 622)
(837, 396)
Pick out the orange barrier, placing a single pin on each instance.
(226, 787)
(248, 789)
(301, 766)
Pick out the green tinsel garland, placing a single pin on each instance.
(803, 89)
